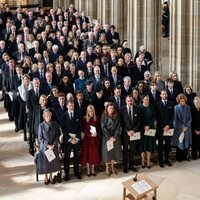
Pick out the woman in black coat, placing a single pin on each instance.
(195, 111)
(190, 95)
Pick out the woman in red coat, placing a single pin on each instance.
(90, 155)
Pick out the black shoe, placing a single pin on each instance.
(66, 178)
(168, 163)
(161, 165)
(165, 36)
(78, 176)
(133, 169)
(144, 166)
(11, 119)
(46, 182)
(16, 129)
(149, 167)
(125, 171)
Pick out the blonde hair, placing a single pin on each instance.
(87, 117)
(156, 74)
(181, 96)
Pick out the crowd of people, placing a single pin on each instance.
(64, 76)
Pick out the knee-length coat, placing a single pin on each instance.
(111, 127)
(48, 133)
(182, 118)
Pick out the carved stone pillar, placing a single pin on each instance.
(143, 27)
(185, 41)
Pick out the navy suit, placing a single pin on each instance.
(165, 116)
(128, 125)
(71, 126)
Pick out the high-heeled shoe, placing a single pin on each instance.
(108, 173)
(93, 174)
(52, 181)
(46, 182)
(88, 174)
(114, 172)
(149, 166)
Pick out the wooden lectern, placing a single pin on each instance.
(139, 189)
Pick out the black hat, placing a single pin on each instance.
(99, 89)
(88, 82)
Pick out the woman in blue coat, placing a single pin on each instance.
(182, 127)
(48, 135)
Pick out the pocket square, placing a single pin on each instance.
(135, 115)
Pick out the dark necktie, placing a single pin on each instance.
(129, 113)
(20, 80)
(118, 102)
(71, 115)
(37, 94)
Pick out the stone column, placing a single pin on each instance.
(184, 45)
(103, 13)
(117, 17)
(143, 28)
(87, 5)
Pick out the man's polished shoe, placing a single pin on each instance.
(66, 178)
(133, 169)
(161, 165)
(78, 176)
(168, 163)
(125, 171)
(16, 129)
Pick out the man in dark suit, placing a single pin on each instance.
(40, 73)
(137, 72)
(81, 63)
(97, 78)
(165, 116)
(115, 78)
(154, 95)
(107, 31)
(147, 56)
(20, 54)
(126, 88)
(115, 35)
(60, 109)
(130, 122)
(33, 108)
(117, 98)
(16, 82)
(171, 91)
(80, 103)
(71, 128)
(35, 49)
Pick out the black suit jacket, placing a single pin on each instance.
(124, 92)
(113, 100)
(95, 83)
(172, 96)
(81, 65)
(151, 98)
(164, 115)
(83, 108)
(71, 126)
(58, 113)
(118, 82)
(126, 124)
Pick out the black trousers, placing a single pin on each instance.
(67, 150)
(181, 155)
(164, 146)
(195, 146)
(128, 153)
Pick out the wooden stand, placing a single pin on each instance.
(133, 194)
